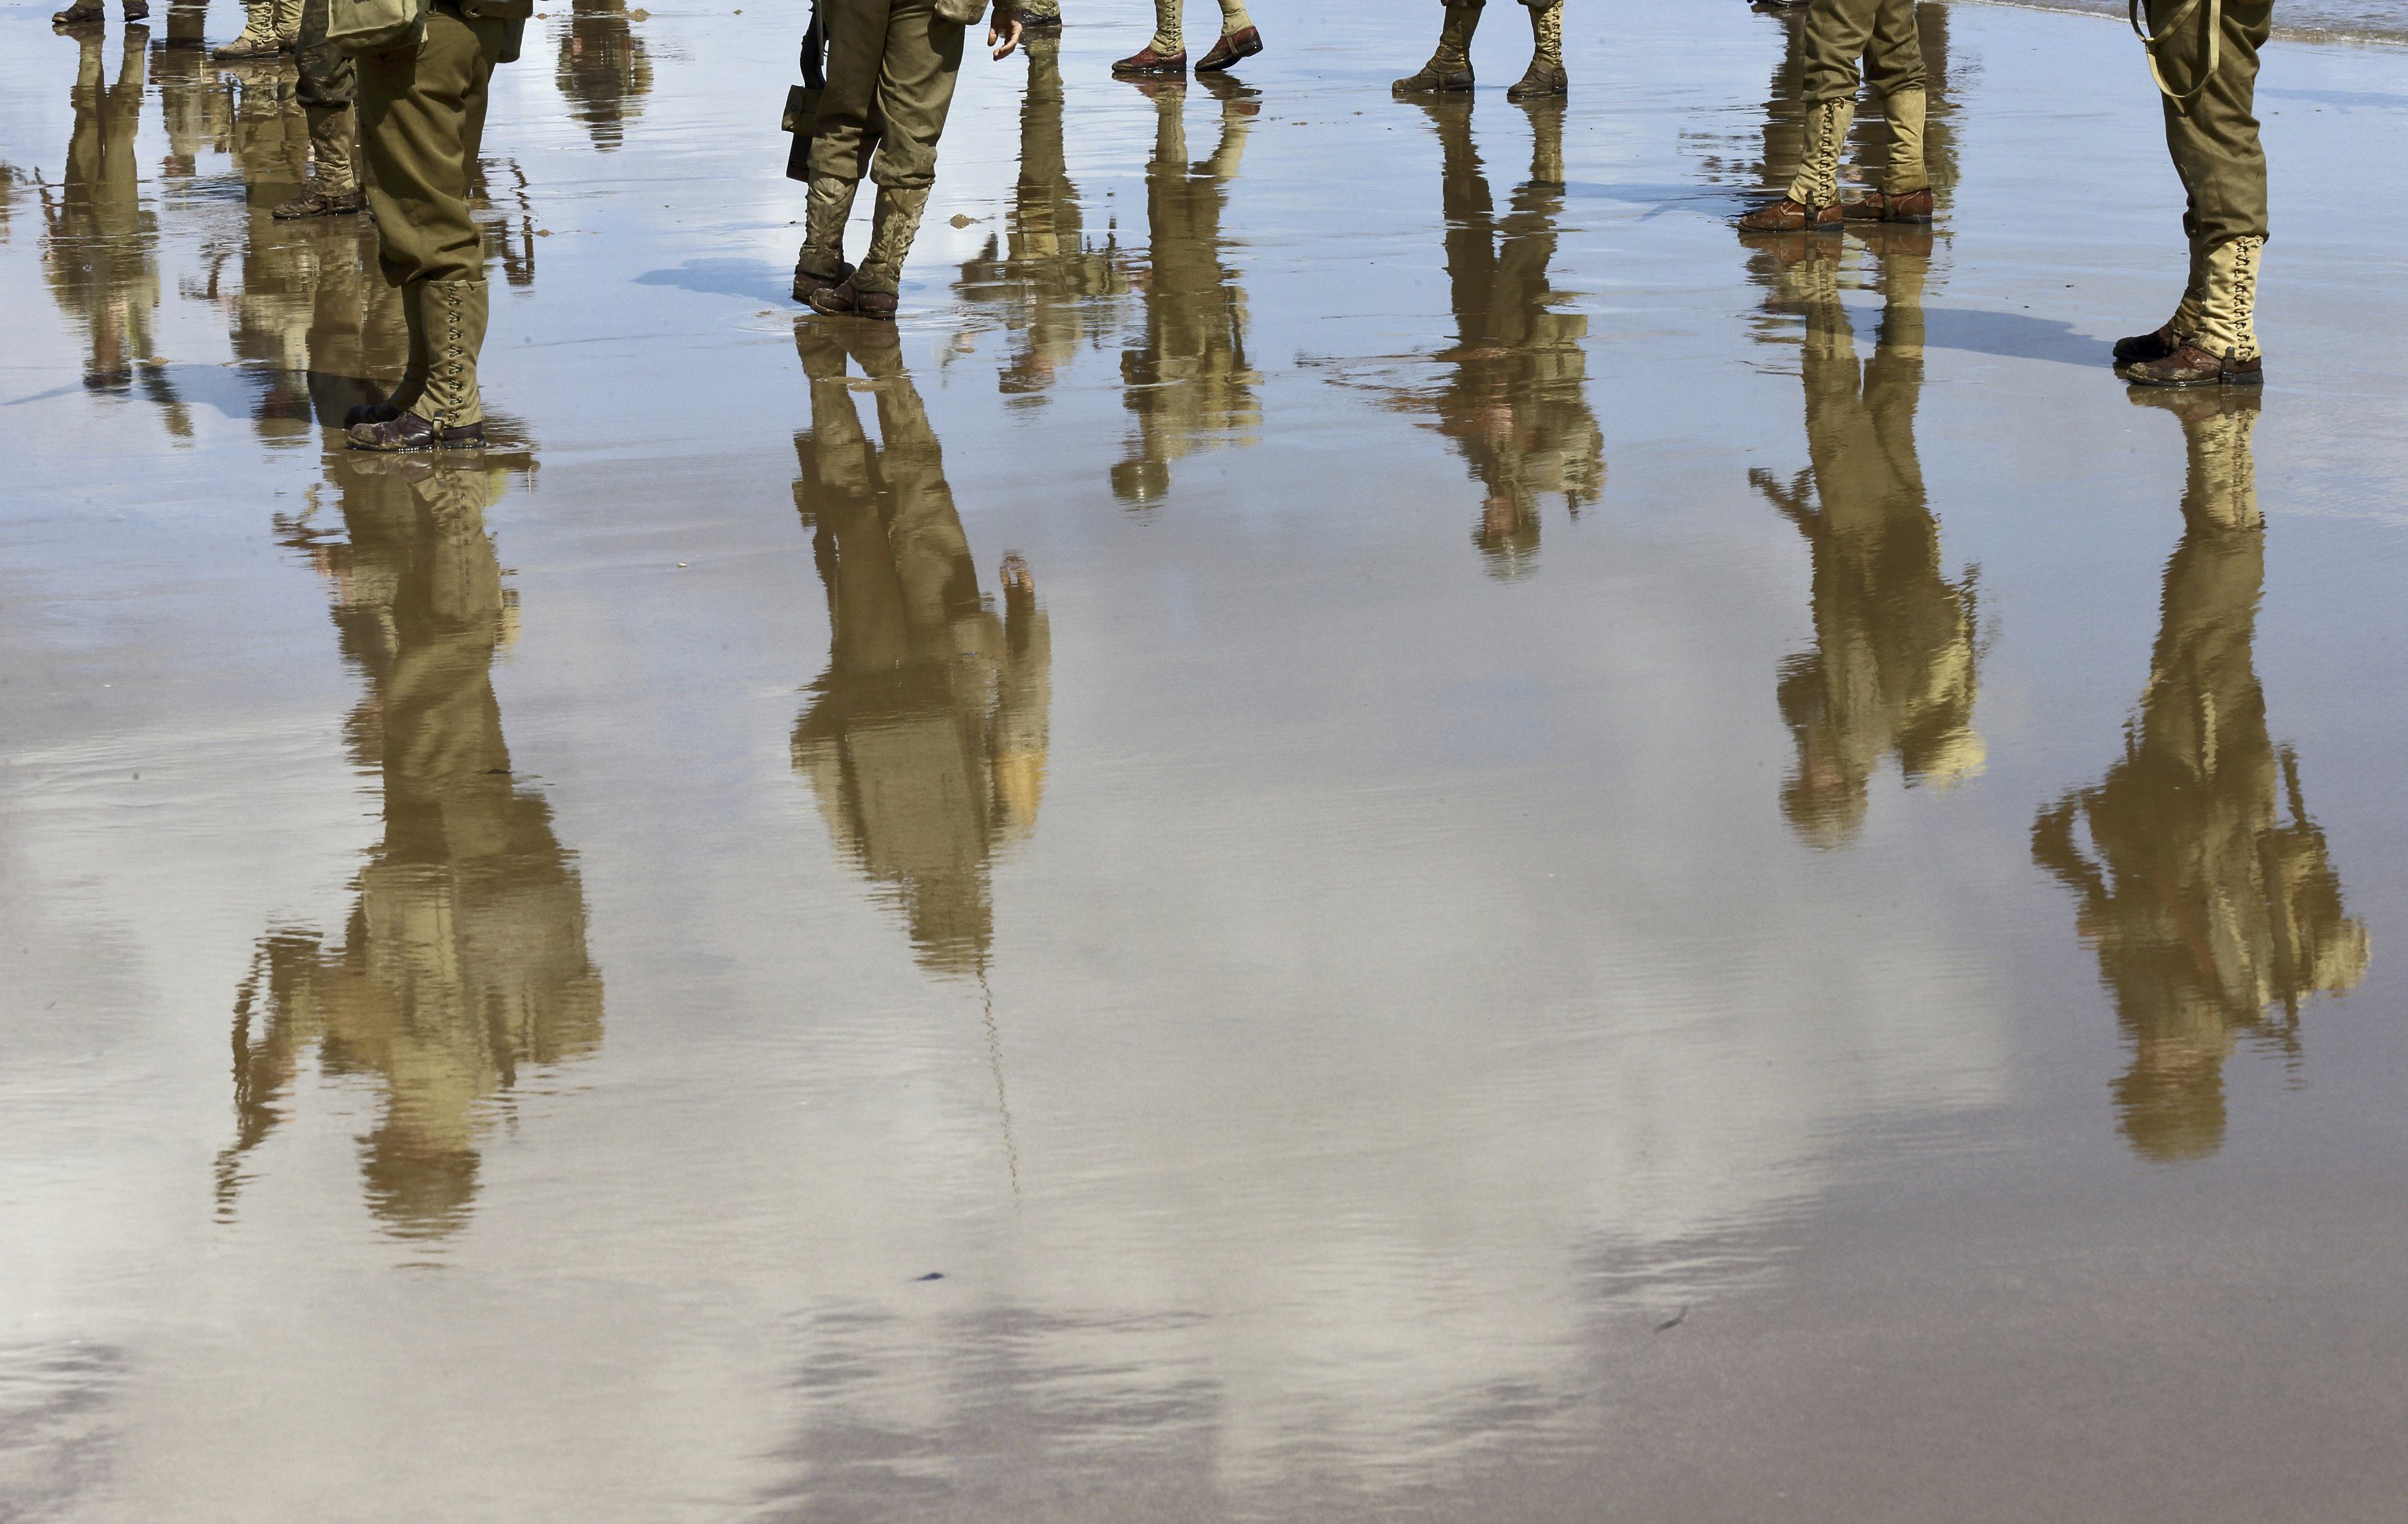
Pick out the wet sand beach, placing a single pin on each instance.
(1375, 826)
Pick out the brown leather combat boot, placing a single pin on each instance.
(1145, 63)
(2141, 346)
(1244, 43)
(1787, 216)
(407, 431)
(1885, 207)
(2190, 366)
(1539, 82)
(807, 281)
(846, 300)
(320, 203)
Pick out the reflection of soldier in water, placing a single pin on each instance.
(604, 69)
(1893, 670)
(465, 956)
(196, 108)
(101, 250)
(924, 740)
(1514, 402)
(1045, 276)
(2207, 909)
(307, 311)
(1187, 380)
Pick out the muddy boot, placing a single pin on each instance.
(1041, 18)
(448, 414)
(334, 189)
(1545, 78)
(2167, 338)
(820, 263)
(1905, 194)
(137, 10)
(258, 39)
(872, 293)
(1813, 202)
(1450, 67)
(2222, 347)
(1166, 54)
(1232, 46)
(82, 13)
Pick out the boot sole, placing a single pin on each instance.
(2124, 374)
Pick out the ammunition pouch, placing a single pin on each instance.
(361, 27)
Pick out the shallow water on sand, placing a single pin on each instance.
(1375, 828)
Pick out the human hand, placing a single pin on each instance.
(1004, 29)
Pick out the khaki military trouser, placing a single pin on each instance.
(891, 69)
(1879, 33)
(421, 120)
(2214, 134)
(327, 77)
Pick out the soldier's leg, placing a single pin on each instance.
(1164, 54)
(420, 111)
(1239, 39)
(843, 137)
(258, 36)
(286, 16)
(1042, 17)
(1545, 75)
(1449, 67)
(1836, 35)
(2213, 138)
(1894, 59)
(915, 91)
(328, 88)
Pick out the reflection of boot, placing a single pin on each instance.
(820, 263)
(1545, 75)
(449, 413)
(1812, 201)
(1450, 67)
(2222, 347)
(1547, 146)
(335, 191)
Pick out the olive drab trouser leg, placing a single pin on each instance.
(2212, 135)
(421, 115)
(1845, 42)
(287, 19)
(890, 70)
